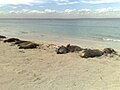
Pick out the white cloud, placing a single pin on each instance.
(108, 10)
(65, 2)
(27, 11)
(49, 11)
(100, 1)
(36, 11)
(29, 2)
(19, 11)
(68, 13)
(84, 10)
(2, 2)
(74, 11)
(102, 12)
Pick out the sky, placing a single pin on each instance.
(59, 8)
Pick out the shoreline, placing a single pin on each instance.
(81, 41)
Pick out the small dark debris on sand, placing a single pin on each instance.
(22, 51)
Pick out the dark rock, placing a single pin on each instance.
(11, 40)
(62, 50)
(89, 53)
(28, 45)
(109, 51)
(2, 37)
(72, 48)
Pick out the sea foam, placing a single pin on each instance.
(114, 40)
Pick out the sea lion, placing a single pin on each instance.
(109, 51)
(12, 40)
(73, 48)
(20, 42)
(62, 50)
(90, 53)
(28, 45)
(2, 37)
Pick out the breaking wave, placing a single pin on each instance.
(114, 40)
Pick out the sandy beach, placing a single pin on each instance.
(43, 69)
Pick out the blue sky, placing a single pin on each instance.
(60, 8)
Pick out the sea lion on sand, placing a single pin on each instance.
(90, 53)
(12, 40)
(62, 50)
(73, 48)
(28, 45)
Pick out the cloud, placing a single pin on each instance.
(27, 11)
(67, 13)
(3, 2)
(70, 11)
(108, 10)
(19, 11)
(49, 11)
(66, 2)
(80, 11)
(29, 2)
(100, 1)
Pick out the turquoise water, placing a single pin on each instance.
(92, 29)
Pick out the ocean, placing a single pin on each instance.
(100, 31)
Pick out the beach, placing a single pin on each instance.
(59, 44)
(43, 69)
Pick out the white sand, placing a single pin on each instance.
(43, 69)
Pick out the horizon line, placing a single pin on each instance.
(59, 18)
